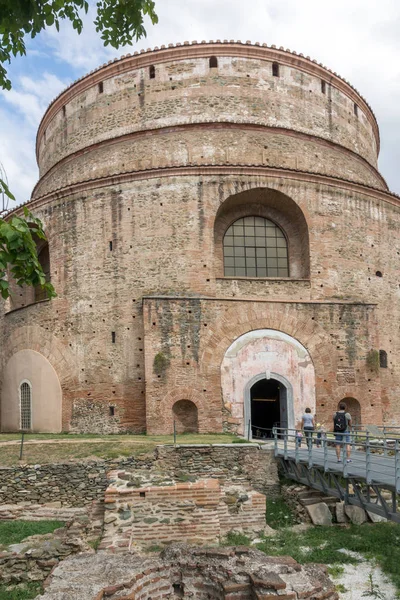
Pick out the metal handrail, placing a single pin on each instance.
(316, 451)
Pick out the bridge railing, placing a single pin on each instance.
(371, 455)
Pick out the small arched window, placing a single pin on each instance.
(44, 259)
(152, 72)
(275, 69)
(25, 401)
(255, 247)
(213, 62)
(383, 362)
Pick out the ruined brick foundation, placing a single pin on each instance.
(187, 572)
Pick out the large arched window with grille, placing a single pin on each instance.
(25, 399)
(255, 247)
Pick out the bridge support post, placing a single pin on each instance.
(368, 460)
(285, 441)
(325, 447)
(275, 434)
(397, 465)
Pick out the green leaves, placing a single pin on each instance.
(5, 189)
(18, 254)
(120, 22)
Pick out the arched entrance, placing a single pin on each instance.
(268, 407)
(268, 403)
(267, 379)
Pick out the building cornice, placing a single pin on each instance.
(214, 125)
(204, 50)
(212, 171)
(255, 299)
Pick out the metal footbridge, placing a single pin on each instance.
(370, 480)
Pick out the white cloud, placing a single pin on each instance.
(20, 113)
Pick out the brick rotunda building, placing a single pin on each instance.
(224, 250)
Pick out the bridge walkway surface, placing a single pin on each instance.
(370, 480)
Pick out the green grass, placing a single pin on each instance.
(61, 447)
(380, 541)
(13, 532)
(21, 592)
(236, 539)
(336, 571)
(278, 514)
(183, 438)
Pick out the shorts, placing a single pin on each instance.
(343, 437)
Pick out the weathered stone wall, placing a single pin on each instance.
(134, 229)
(140, 516)
(79, 484)
(242, 89)
(72, 484)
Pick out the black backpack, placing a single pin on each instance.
(339, 422)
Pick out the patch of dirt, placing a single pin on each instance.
(363, 581)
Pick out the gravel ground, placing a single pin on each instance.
(356, 579)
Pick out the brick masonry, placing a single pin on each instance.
(140, 516)
(138, 185)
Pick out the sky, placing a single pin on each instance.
(359, 39)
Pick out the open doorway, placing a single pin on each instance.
(268, 407)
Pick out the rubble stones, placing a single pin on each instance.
(34, 558)
(226, 572)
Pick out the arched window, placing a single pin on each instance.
(25, 402)
(152, 72)
(255, 247)
(213, 62)
(383, 361)
(44, 259)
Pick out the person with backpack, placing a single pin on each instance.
(342, 428)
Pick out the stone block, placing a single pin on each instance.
(357, 515)
(340, 514)
(319, 514)
(376, 518)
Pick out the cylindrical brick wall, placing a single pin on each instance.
(140, 178)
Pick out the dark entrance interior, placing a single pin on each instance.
(268, 407)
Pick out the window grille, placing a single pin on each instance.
(26, 406)
(255, 247)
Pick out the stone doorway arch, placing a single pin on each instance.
(354, 408)
(266, 354)
(185, 415)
